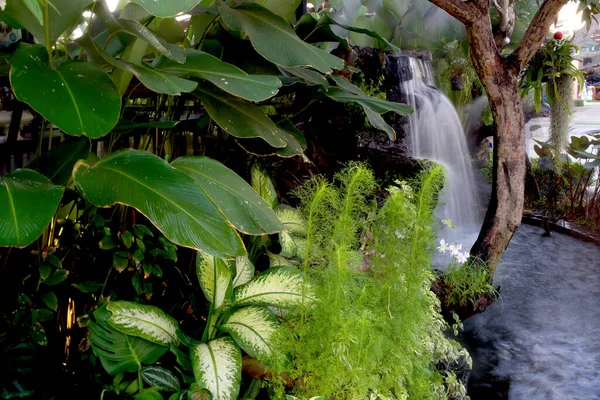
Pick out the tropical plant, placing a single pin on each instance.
(373, 330)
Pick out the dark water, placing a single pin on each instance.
(541, 341)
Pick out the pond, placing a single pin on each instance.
(541, 341)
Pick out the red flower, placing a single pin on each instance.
(558, 35)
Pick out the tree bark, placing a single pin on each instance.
(500, 77)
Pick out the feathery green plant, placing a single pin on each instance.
(374, 328)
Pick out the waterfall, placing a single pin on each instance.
(436, 133)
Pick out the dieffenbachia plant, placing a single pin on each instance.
(130, 337)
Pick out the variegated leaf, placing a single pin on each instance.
(244, 271)
(292, 219)
(279, 286)
(161, 377)
(289, 248)
(252, 329)
(276, 260)
(261, 182)
(147, 322)
(218, 367)
(214, 277)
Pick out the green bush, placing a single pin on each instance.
(374, 327)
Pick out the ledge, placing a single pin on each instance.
(560, 226)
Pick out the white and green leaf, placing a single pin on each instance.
(252, 329)
(214, 277)
(292, 219)
(244, 271)
(161, 377)
(147, 322)
(279, 286)
(261, 182)
(218, 367)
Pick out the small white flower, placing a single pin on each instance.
(399, 234)
(463, 257)
(3, 4)
(443, 246)
(455, 249)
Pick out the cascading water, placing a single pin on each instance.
(435, 133)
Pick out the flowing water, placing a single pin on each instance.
(436, 133)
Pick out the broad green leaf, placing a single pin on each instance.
(261, 182)
(226, 76)
(215, 278)
(35, 8)
(239, 118)
(286, 9)
(168, 8)
(78, 96)
(244, 271)
(218, 367)
(183, 395)
(58, 276)
(309, 76)
(28, 202)
(235, 198)
(312, 30)
(57, 164)
(252, 329)
(170, 199)
(289, 249)
(276, 260)
(279, 286)
(148, 394)
(62, 14)
(292, 219)
(147, 322)
(122, 353)
(161, 377)
(274, 39)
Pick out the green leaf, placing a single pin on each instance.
(120, 261)
(309, 76)
(237, 200)
(183, 395)
(167, 8)
(274, 39)
(171, 51)
(279, 286)
(35, 9)
(78, 96)
(286, 9)
(289, 249)
(148, 394)
(162, 378)
(62, 14)
(57, 277)
(239, 118)
(50, 300)
(170, 199)
(292, 219)
(276, 260)
(261, 182)
(45, 270)
(226, 76)
(127, 239)
(88, 286)
(244, 271)
(29, 200)
(214, 277)
(195, 393)
(119, 352)
(252, 329)
(310, 29)
(38, 335)
(147, 322)
(218, 367)
(57, 164)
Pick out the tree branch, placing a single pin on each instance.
(536, 33)
(464, 11)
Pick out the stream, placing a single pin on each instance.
(541, 340)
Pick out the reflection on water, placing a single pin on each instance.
(541, 341)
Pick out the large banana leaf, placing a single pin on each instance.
(244, 271)
(57, 164)
(215, 278)
(77, 96)
(28, 202)
(147, 322)
(61, 14)
(218, 368)
(279, 286)
(237, 200)
(119, 352)
(252, 329)
(168, 8)
(286, 9)
(169, 198)
(239, 118)
(224, 75)
(274, 39)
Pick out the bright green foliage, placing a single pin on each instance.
(466, 283)
(374, 328)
